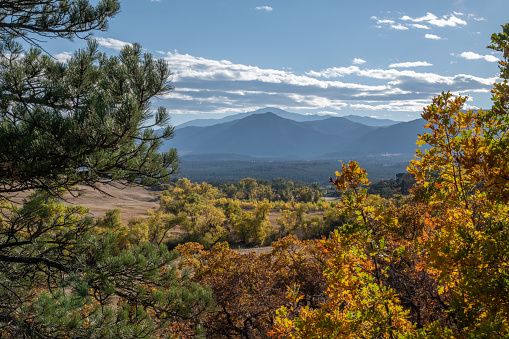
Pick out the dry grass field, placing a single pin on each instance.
(132, 200)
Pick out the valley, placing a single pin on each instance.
(271, 143)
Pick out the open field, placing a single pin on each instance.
(132, 200)
(135, 201)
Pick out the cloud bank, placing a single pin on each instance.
(205, 85)
(410, 64)
(111, 43)
(220, 86)
(425, 22)
(475, 56)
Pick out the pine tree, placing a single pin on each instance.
(63, 124)
(77, 122)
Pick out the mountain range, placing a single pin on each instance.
(287, 115)
(274, 133)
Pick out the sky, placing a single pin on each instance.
(384, 59)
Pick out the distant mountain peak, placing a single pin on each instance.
(265, 114)
(264, 133)
(371, 121)
(297, 117)
(274, 110)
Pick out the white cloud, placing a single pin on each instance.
(111, 43)
(402, 106)
(63, 57)
(185, 66)
(425, 18)
(399, 27)
(317, 101)
(410, 64)
(405, 22)
(264, 8)
(420, 26)
(384, 21)
(217, 86)
(399, 78)
(358, 61)
(432, 19)
(327, 113)
(475, 56)
(471, 16)
(432, 36)
(177, 95)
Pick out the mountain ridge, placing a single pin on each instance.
(271, 136)
(288, 115)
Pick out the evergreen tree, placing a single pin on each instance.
(63, 124)
(77, 122)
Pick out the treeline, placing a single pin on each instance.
(238, 213)
(272, 190)
(378, 167)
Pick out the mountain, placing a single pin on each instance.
(267, 135)
(375, 122)
(399, 138)
(287, 115)
(218, 157)
(341, 127)
(396, 139)
(260, 135)
(276, 111)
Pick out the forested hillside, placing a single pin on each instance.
(226, 167)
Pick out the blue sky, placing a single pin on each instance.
(385, 59)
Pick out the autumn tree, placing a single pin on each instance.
(63, 124)
(469, 202)
(253, 228)
(434, 265)
(249, 288)
(290, 221)
(196, 210)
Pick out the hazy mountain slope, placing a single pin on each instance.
(371, 121)
(341, 127)
(374, 122)
(267, 135)
(191, 138)
(399, 138)
(276, 111)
